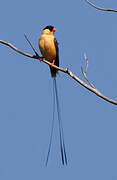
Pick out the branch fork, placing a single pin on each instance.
(90, 87)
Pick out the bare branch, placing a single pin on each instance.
(99, 8)
(16, 49)
(87, 63)
(30, 55)
(67, 71)
(85, 72)
(31, 45)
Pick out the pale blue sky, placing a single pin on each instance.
(90, 123)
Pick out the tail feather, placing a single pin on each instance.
(53, 71)
(62, 143)
(61, 135)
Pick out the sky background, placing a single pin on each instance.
(90, 123)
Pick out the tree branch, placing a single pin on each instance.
(90, 87)
(99, 8)
(85, 72)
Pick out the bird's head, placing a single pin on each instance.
(49, 29)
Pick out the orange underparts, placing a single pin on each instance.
(52, 64)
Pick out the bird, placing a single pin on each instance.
(49, 49)
(48, 46)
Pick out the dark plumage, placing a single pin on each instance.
(49, 27)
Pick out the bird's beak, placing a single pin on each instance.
(54, 29)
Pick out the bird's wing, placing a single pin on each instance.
(57, 52)
(54, 71)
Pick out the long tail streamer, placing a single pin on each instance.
(52, 129)
(62, 144)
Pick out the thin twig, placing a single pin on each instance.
(100, 8)
(67, 71)
(31, 46)
(87, 62)
(85, 72)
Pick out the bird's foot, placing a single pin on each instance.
(41, 58)
(53, 63)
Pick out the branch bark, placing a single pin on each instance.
(100, 8)
(90, 87)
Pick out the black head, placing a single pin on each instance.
(49, 27)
